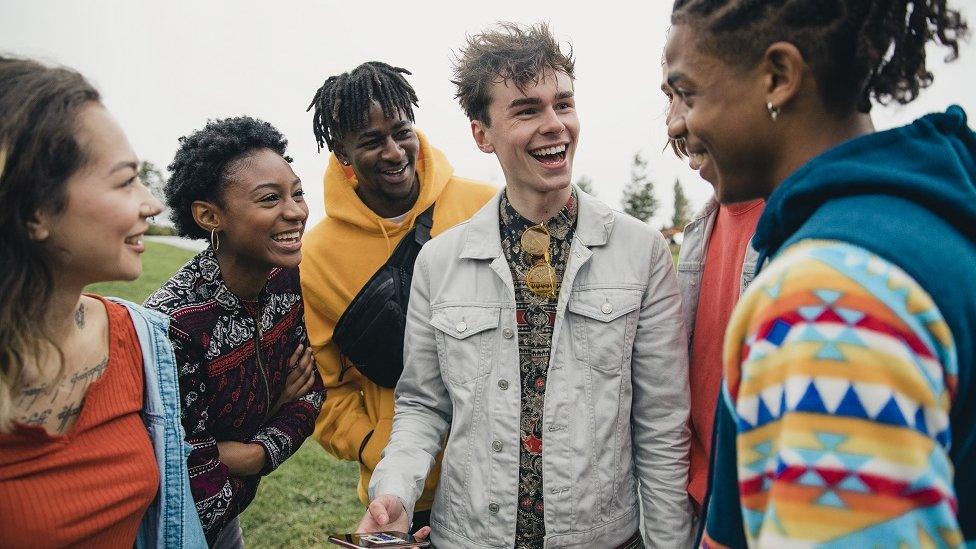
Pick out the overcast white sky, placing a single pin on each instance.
(167, 66)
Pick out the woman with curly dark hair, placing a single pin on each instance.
(249, 388)
(91, 449)
(849, 409)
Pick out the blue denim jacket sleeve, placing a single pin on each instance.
(171, 520)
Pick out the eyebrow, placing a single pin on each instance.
(370, 134)
(124, 164)
(674, 77)
(522, 101)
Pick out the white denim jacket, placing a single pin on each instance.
(616, 404)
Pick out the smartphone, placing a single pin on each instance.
(378, 539)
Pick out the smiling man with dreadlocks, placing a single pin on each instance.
(383, 180)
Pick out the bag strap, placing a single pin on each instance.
(423, 225)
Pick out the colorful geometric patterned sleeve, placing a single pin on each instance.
(840, 372)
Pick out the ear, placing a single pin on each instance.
(785, 68)
(340, 152)
(38, 227)
(479, 130)
(206, 214)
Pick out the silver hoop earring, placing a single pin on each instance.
(773, 111)
(214, 239)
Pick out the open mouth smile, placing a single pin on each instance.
(289, 240)
(551, 155)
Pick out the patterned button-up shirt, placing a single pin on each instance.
(535, 317)
(229, 383)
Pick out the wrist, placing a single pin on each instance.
(257, 457)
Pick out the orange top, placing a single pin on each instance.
(91, 486)
(721, 279)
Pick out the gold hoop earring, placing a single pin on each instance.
(214, 239)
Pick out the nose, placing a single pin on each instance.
(295, 211)
(151, 205)
(551, 123)
(676, 123)
(392, 151)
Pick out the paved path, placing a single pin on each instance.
(179, 242)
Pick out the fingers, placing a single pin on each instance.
(378, 512)
(422, 533)
(296, 355)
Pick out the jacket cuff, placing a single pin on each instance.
(277, 447)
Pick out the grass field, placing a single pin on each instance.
(312, 494)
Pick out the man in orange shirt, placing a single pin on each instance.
(715, 265)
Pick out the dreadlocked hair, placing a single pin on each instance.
(507, 53)
(857, 49)
(342, 103)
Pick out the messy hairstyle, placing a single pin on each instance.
(857, 49)
(507, 53)
(39, 152)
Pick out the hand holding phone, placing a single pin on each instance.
(388, 540)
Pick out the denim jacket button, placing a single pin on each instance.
(461, 327)
(607, 308)
(508, 333)
(496, 446)
(503, 384)
(493, 508)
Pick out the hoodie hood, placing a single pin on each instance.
(930, 162)
(342, 202)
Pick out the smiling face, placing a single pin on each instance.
(383, 155)
(262, 211)
(720, 112)
(533, 132)
(98, 235)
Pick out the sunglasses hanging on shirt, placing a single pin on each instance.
(541, 278)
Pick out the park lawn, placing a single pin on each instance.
(312, 494)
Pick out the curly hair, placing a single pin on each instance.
(857, 49)
(39, 152)
(342, 103)
(206, 158)
(507, 53)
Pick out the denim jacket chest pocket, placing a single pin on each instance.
(603, 322)
(465, 336)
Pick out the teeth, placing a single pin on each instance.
(135, 240)
(281, 237)
(396, 171)
(548, 150)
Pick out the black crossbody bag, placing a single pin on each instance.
(370, 331)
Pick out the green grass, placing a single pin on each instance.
(312, 494)
(159, 262)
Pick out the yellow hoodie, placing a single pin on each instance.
(338, 256)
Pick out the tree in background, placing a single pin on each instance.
(681, 216)
(638, 198)
(153, 178)
(584, 182)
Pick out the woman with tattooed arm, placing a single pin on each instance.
(90, 439)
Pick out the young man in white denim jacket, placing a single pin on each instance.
(558, 371)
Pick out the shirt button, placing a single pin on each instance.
(493, 508)
(496, 446)
(461, 327)
(607, 308)
(508, 333)
(503, 384)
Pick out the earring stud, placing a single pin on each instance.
(773, 111)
